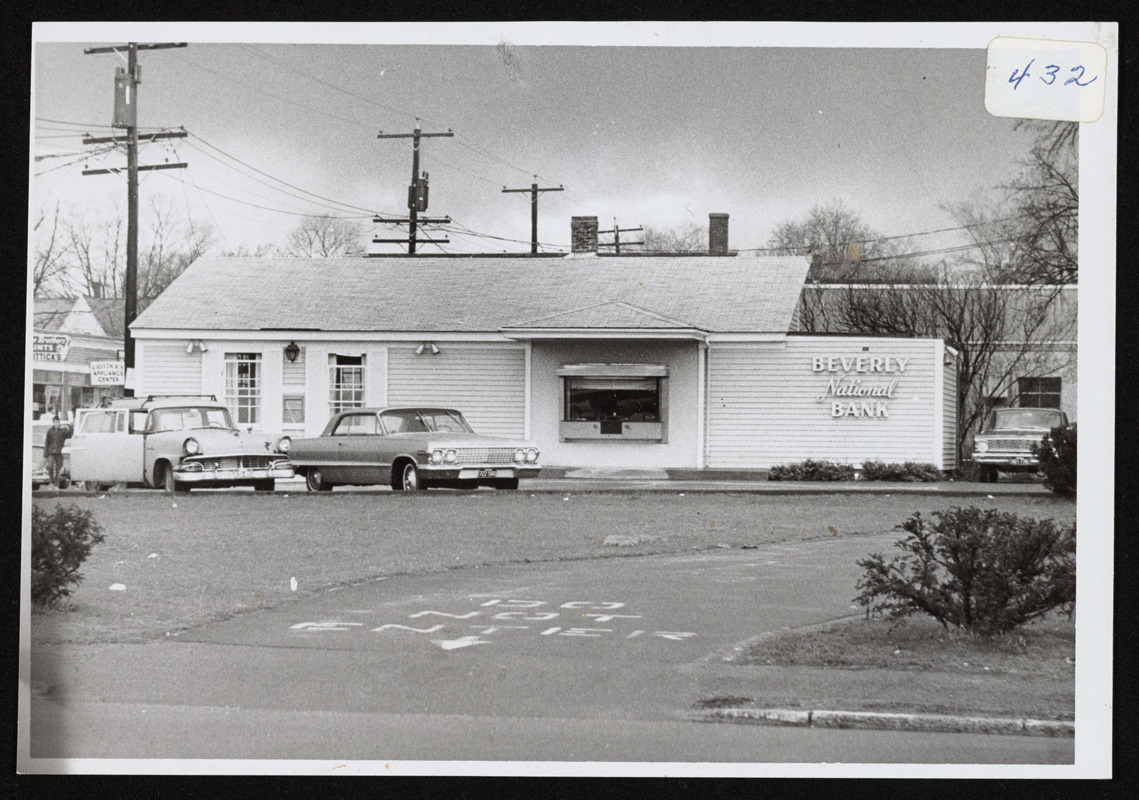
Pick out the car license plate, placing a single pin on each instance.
(488, 473)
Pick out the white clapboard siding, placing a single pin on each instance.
(293, 372)
(487, 384)
(763, 405)
(168, 369)
(949, 415)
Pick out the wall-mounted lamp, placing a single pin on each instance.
(292, 351)
(427, 346)
(200, 345)
(189, 347)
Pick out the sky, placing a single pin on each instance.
(656, 136)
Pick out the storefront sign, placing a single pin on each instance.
(107, 373)
(50, 347)
(855, 392)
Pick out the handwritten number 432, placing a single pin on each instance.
(1049, 77)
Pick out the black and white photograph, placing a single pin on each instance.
(686, 399)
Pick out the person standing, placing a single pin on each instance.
(53, 449)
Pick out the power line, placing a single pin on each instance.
(255, 205)
(954, 249)
(275, 96)
(269, 185)
(895, 236)
(464, 140)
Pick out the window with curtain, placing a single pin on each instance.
(243, 387)
(345, 382)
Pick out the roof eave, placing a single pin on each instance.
(530, 334)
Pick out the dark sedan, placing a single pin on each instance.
(410, 449)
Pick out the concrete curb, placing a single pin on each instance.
(873, 720)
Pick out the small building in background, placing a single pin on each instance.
(631, 361)
(77, 353)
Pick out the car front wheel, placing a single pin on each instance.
(171, 483)
(315, 482)
(412, 482)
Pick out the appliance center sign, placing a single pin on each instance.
(50, 347)
(860, 386)
(107, 373)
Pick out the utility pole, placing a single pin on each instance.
(534, 190)
(616, 245)
(126, 116)
(417, 191)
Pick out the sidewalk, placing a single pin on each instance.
(740, 480)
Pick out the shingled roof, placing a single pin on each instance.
(715, 294)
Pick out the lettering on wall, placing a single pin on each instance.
(860, 386)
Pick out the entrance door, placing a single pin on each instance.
(103, 449)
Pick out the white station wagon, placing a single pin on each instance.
(175, 442)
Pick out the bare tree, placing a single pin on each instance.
(1001, 332)
(1030, 234)
(839, 242)
(174, 243)
(95, 243)
(94, 247)
(687, 237)
(49, 267)
(1046, 196)
(260, 251)
(325, 236)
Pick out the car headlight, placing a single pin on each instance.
(436, 456)
(284, 443)
(520, 455)
(532, 455)
(451, 457)
(191, 446)
(981, 446)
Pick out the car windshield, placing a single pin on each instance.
(424, 421)
(188, 418)
(1036, 418)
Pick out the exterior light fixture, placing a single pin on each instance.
(202, 346)
(189, 347)
(434, 349)
(427, 346)
(292, 351)
(419, 350)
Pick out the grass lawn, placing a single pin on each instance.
(876, 665)
(197, 558)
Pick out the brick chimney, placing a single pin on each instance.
(583, 235)
(718, 234)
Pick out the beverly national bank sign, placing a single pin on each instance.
(860, 386)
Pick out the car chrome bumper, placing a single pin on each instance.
(1006, 459)
(474, 472)
(215, 475)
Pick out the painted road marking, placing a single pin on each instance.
(383, 628)
(462, 641)
(324, 626)
(501, 610)
(444, 614)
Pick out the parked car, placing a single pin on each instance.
(176, 442)
(39, 468)
(1005, 444)
(410, 449)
